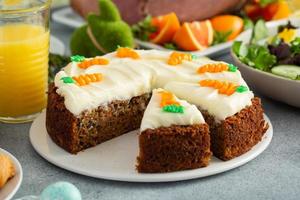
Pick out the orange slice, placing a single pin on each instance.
(166, 25)
(225, 23)
(282, 12)
(194, 36)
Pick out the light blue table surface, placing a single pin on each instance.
(275, 174)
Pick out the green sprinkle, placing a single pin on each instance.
(77, 58)
(67, 79)
(241, 89)
(194, 57)
(232, 68)
(173, 108)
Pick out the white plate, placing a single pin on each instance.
(116, 159)
(213, 51)
(12, 186)
(68, 17)
(271, 85)
(56, 46)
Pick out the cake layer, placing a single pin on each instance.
(237, 134)
(92, 127)
(155, 117)
(174, 148)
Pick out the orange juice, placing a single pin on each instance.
(23, 69)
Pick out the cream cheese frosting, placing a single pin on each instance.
(155, 117)
(124, 78)
(219, 105)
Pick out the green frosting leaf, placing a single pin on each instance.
(232, 68)
(67, 79)
(77, 58)
(173, 108)
(194, 57)
(241, 89)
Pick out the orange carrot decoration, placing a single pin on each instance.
(226, 88)
(87, 79)
(216, 67)
(94, 61)
(177, 58)
(125, 52)
(167, 98)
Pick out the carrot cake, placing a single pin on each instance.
(96, 99)
(173, 135)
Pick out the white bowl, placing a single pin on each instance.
(268, 84)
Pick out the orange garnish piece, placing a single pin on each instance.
(94, 61)
(167, 98)
(125, 52)
(166, 26)
(87, 79)
(226, 23)
(213, 68)
(177, 58)
(193, 36)
(226, 88)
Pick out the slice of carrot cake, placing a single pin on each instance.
(173, 135)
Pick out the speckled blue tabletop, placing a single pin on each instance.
(275, 174)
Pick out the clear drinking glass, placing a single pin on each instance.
(24, 49)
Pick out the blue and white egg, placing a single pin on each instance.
(61, 191)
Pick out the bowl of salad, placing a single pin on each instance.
(268, 57)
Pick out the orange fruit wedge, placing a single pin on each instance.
(194, 36)
(282, 11)
(166, 25)
(225, 23)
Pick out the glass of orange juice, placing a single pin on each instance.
(24, 49)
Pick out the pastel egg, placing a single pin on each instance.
(61, 191)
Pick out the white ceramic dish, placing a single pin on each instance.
(213, 51)
(12, 186)
(68, 17)
(116, 159)
(56, 46)
(273, 86)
